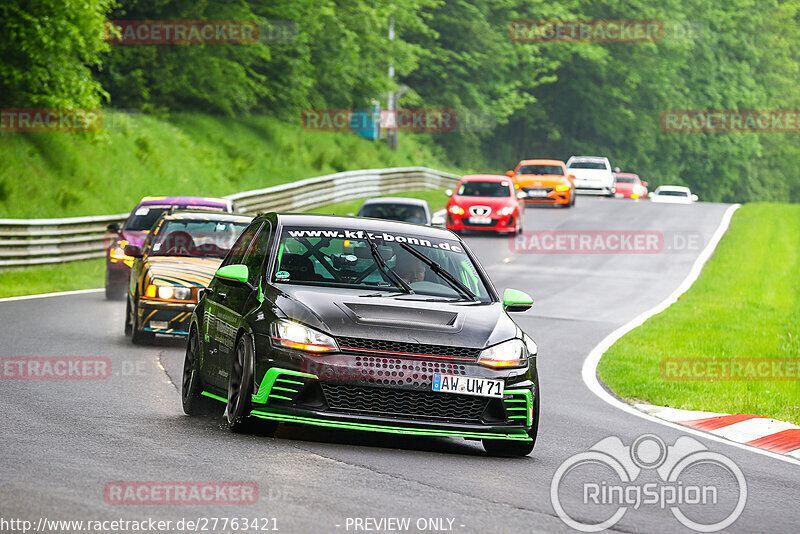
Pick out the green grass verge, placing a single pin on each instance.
(85, 274)
(69, 174)
(435, 197)
(745, 306)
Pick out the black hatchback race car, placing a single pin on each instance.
(362, 324)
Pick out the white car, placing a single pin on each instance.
(673, 194)
(593, 175)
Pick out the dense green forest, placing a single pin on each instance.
(531, 99)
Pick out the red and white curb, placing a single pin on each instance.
(753, 430)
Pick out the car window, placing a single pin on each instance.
(343, 258)
(194, 237)
(254, 259)
(474, 188)
(239, 249)
(588, 165)
(395, 212)
(668, 193)
(143, 217)
(541, 169)
(626, 180)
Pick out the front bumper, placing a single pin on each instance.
(461, 222)
(594, 189)
(392, 394)
(160, 317)
(551, 196)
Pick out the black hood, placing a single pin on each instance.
(408, 319)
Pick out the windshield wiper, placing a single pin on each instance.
(447, 277)
(376, 253)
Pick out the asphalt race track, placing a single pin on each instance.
(63, 441)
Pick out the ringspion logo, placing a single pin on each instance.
(586, 31)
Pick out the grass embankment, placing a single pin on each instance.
(65, 175)
(744, 308)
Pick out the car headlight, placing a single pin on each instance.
(168, 292)
(506, 211)
(296, 336)
(562, 187)
(117, 252)
(456, 210)
(511, 353)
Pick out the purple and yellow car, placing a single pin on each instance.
(136, 227)
(177, 259)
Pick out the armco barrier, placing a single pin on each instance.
(43, 241)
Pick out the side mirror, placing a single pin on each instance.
(650, 194)
(644, 184)
(571, 176)
(694, 198)
(448, 192)
(234, 275)
(616, 169)
(510, 173)
(134, 251)
(516, 301)
(114, 228)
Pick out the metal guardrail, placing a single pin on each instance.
(45, 241)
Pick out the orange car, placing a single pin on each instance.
(544, 181)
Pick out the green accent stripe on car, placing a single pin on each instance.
(527, 398)
(516, 435)
(268, 384)
(215, 397)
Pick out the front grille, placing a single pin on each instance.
(547, 190)
(401, 403)
(356, 344)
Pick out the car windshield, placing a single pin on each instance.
(672, 193)
(144, 217)
(541, 169)
(626, 180)
(394, 212)
(344, 258)
(588, 165)
(475, 188)
(182, 237)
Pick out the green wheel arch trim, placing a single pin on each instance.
(516, 435)
(215, 397)
(527, 395)
(268, 384)
(240, 273)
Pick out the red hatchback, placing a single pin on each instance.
(629, 185)
(485, 202)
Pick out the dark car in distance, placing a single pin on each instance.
(362, 324)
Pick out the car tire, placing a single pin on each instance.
(114, 291)
(138, 336)
(128, 317)
(194, 403)
(572, 201)
(240, 389)
(511, 449)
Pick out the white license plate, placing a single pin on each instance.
(160, 325)
(480, 220)
(537, 193)
(468, 385)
